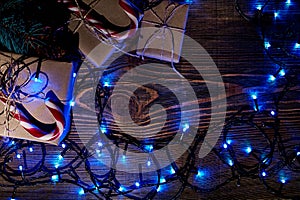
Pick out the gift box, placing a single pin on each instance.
(162, 32)
(37, 105)
(96, 20)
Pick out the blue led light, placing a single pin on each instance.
(148, 148)
(228, 141)
(272, 78)
(148, 163)
(106, 84)
(282, 72)
(288, 2)
(258, 7)
(185, 127)
(297, 45)
(273, 113)
(55, 178)
(248, 150)
(264, 174)
(172, 171)
(158, 189)
(121, 189)
(254, 96)
(200, 173)
(74, 75)
(18, 156)
(225, 146)
(162, 180)
(230, 163)
(56, 165)
(124, 157)
(298, 153)
(100, 144)
(267, 45)
(137, 184)
(72, 103)
(276, 14)
(60, 157)
(20, 167)
(81, 191)
(103, 129)
(30, 149)
(63, 145)
(283, 180)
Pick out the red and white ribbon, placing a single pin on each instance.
(83, 11)
(34, 130)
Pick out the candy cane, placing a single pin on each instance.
(101, 23)
(33, 129)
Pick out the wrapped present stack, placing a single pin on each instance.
(36, 93)
(35, 104)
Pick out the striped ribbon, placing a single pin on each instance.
(100, 23)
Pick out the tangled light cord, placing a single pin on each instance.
(274, 163)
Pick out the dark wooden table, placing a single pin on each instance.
(236, 48)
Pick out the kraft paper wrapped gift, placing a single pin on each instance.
(55, 81)
(167, 22)
(88, 39)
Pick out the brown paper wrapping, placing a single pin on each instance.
(87, 39)
(162, 45)
(60, 81)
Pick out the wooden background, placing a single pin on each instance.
(237, 50)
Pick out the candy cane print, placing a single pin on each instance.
(35, 129)
(101, 24)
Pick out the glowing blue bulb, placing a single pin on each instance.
(106, 84)
(72, 103)
(63, 145)
(282, 72)
(121, 189)
(60, 157)
(275, 14)
(200, 173)
(124, 157)
(225, 146)
(254, 96)
(267, 45)
(162, 180)
(158, 189)
(272, 78)
(55, 178)
(74, 75)
(230, 163)
(103, 129)
(36, 79)
(81, 191)
(273, 113)
(173, 171)
(298, 153)
(56, 166)
(100, 144)
(31, 149)
(186, 126)
(297, 45)
(148, 148)
(288, 2)
(12, 199)
(12, 142)
(137, 184)
(18, 156)
(264, 174)
(283, 181)
(20, 167)
(148, 163)
(258, 7)
(248, 150)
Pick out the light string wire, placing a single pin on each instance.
(264, 168)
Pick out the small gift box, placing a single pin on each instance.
(162, 32)
(102, 20)
(35, 98)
